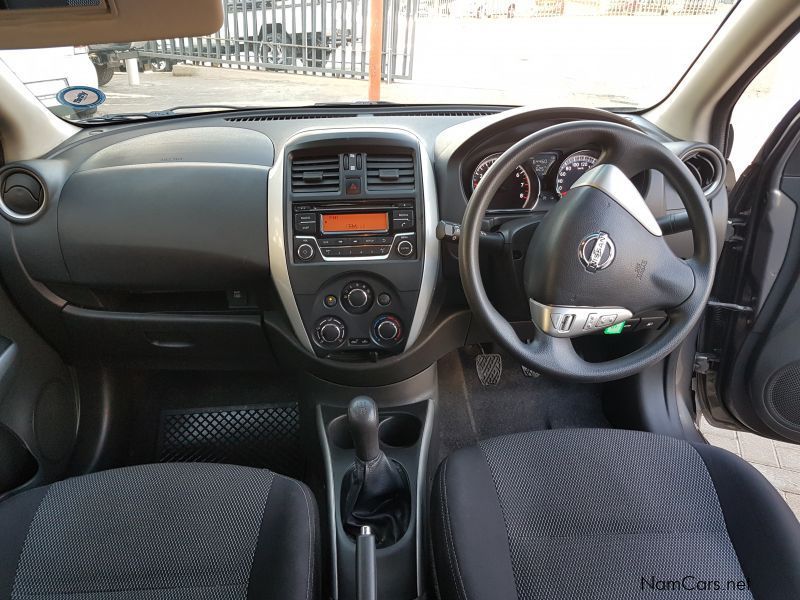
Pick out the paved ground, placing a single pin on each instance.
(779, 462)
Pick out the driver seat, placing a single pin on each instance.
(604, 513)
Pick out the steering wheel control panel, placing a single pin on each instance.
(354, 213)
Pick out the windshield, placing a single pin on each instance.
(622, 54)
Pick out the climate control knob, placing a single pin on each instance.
(387, 330)
(330, 332)
(357, 297)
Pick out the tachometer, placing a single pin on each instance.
(572, 168)
(519, 191)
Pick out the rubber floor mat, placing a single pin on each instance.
(253, 436)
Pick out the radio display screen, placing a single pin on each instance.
(355, 222)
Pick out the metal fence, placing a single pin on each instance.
(329, 37)
(319, 37)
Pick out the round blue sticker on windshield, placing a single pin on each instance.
(81, 96)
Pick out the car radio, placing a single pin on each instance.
(357, 230)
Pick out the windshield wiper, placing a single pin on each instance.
(156, 114)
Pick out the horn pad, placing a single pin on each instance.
(590, 251)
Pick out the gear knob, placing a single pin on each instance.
(362, 418)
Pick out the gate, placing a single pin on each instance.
(314, 37)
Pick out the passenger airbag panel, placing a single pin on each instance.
(165, 226)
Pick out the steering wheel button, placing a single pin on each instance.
(651, 323)
(629, 325)
(606, 320)
(562, 321)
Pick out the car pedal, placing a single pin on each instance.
(529, 372)
(489, 368)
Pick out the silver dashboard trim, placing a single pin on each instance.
(430, 264)
(574, 321)
(278, 256)
(610, 180)
(276, 241)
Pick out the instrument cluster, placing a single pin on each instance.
(537, 183)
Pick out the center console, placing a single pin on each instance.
(376, 447)
(355, 214)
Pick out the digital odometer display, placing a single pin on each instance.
(355, 222)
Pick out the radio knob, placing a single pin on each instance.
(357, 297)
(405, 248)
(305, 251)
(387, 329)
(330, 332)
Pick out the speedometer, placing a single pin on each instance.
(572, 168)
(519, 191)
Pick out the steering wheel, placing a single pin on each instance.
(598, 257)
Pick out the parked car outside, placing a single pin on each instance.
(284, 31)
(107, 58)
(278, 33)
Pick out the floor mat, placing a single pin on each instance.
(250, 419)
(258, 436)
(470, 411)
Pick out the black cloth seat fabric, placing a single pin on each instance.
(602, 513)
(158, 532)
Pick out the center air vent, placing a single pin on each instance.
(22, 195)
(390, 172)
(315, 175)
(707, 168)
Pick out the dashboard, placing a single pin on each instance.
(302, 239)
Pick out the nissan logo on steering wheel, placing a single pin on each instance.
(596, 251)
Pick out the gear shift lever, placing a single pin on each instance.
(362, 418)
(376, 492)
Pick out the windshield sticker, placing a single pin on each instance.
(80, 96)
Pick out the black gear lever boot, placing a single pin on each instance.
(376, 490)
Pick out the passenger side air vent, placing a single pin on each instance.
(707, 167)
(22, 195)
(390, 172)
(315, 174)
